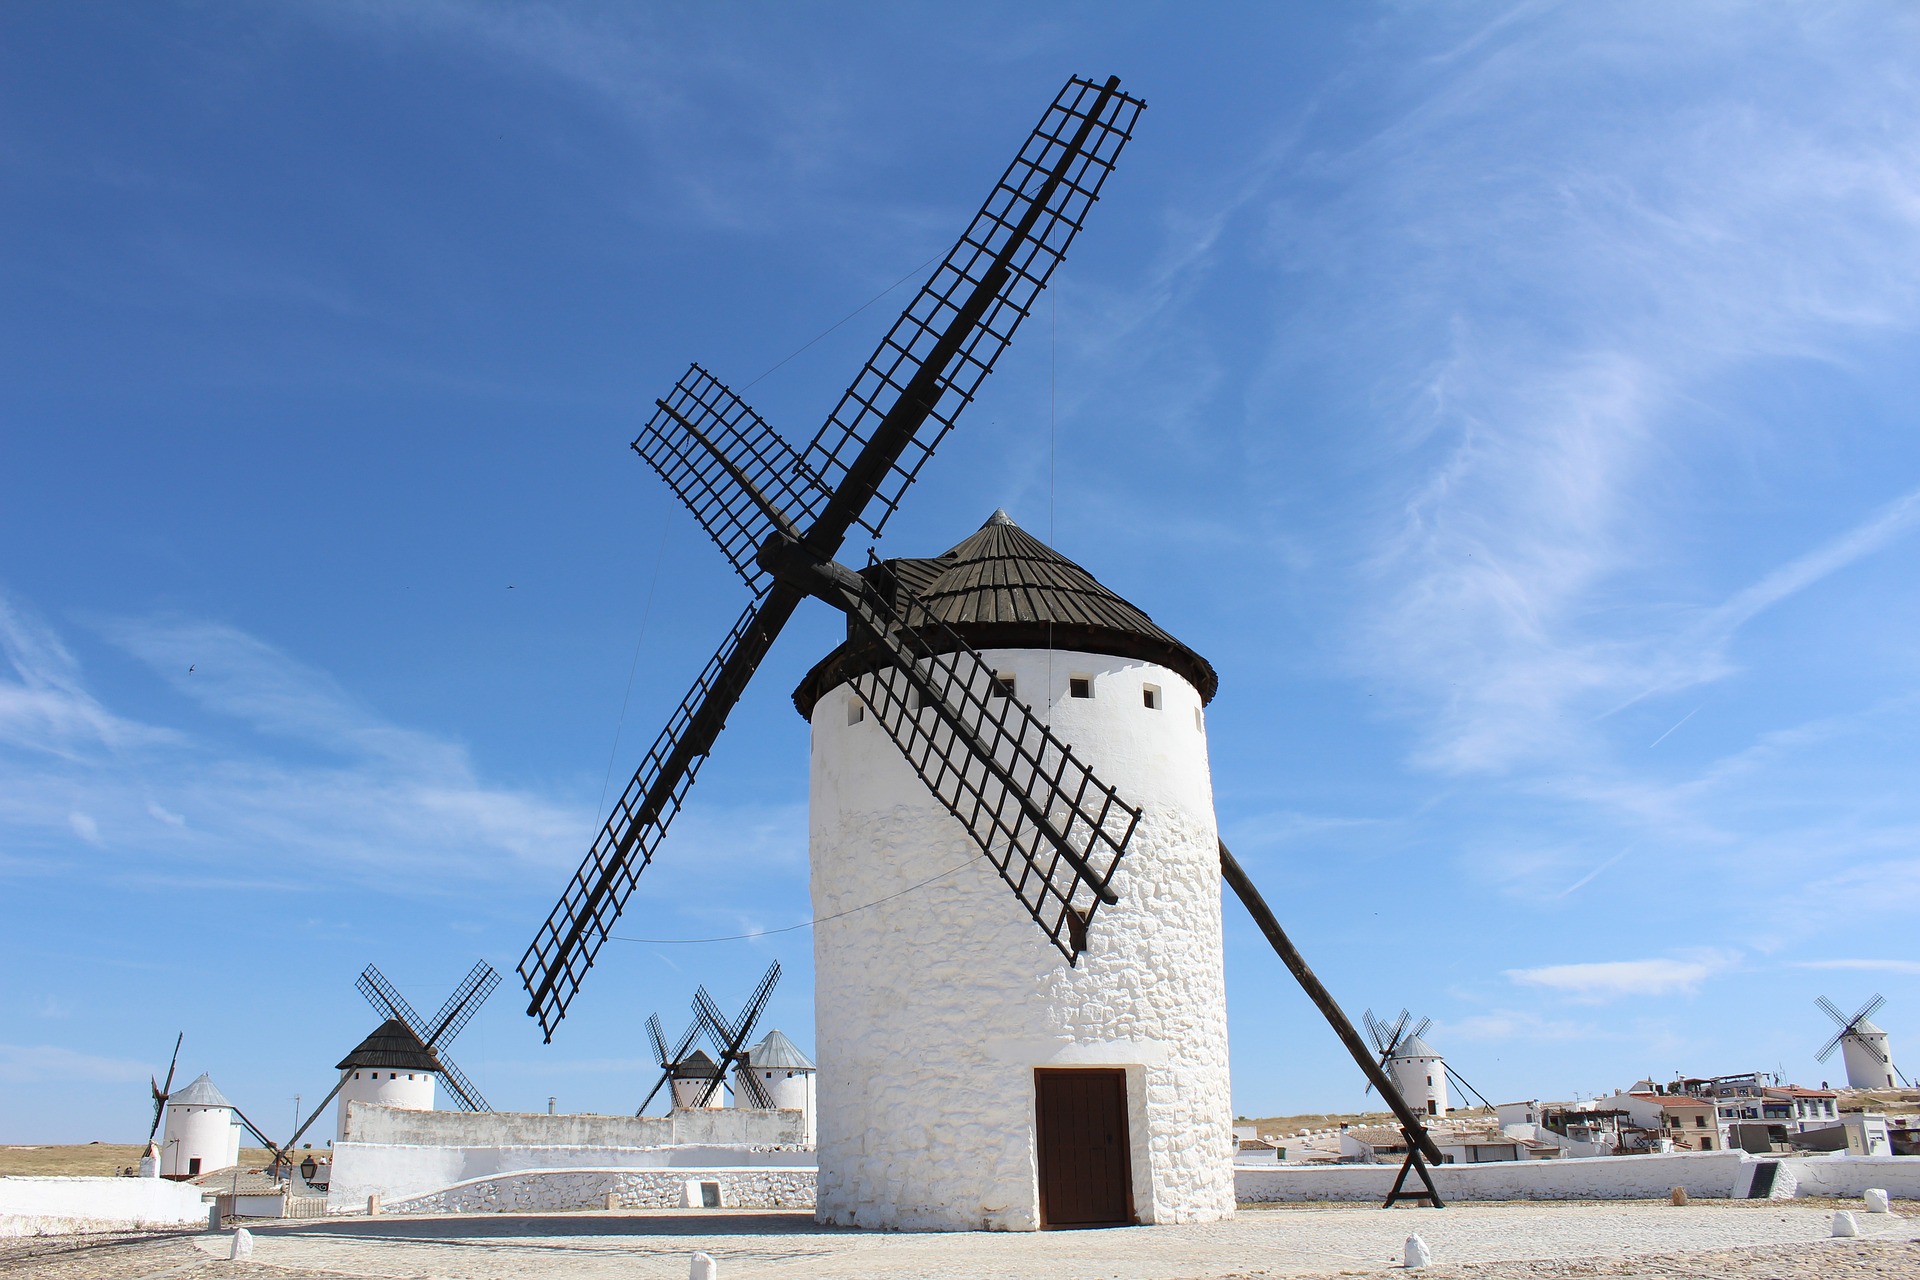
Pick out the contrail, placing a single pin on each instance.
(1587, 879)
(1683, 719)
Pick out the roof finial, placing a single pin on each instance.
(1000, 516)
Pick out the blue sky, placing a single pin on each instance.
(1514, 402)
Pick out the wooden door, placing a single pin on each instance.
(1086, 1162)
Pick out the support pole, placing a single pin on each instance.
(1419, 1142)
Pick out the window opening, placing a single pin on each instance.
(856, 710)
(1003, 684)
(1199, 723)
(1079, 686)
(1150, 695)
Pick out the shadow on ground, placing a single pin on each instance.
(745, 1222)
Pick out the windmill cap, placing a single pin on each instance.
(696, 1066)
(392, 1044)
(1866, 1028)
(776, 1052)
(1414, 1047)
(201, 1093)
(1003, 588)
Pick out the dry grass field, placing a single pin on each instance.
(1286, 1126)
(92, 1159)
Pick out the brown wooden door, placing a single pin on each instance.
(1086, 1162)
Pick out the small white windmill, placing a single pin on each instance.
(1863, 1046)
(1416, 1068)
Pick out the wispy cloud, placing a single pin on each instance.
(47, 1063)
(1864, 966)
(1614, 979)
(321, 780)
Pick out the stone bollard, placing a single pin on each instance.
(1844, 1225)
(1417, 1255)
(242, 1245)
(1877, 1200)
(373, 1205)
(1677, 1196)
(213, 1217)
(703, 1268)
(613, 1200)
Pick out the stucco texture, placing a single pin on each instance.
(935, 1006)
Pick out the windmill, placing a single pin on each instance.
(1863, 1045)
(404, 1042)
(671, 1063)
(1049, 828)
(731, 1037)
(162, 1091)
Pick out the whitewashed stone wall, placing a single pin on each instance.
(64, 1206)
(395, 1171)
(1707, 1175)
(934, 1008)
(556, 1190)
(1846, 1175)
(723, 1127)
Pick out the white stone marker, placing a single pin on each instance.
(242, 1245)
(1877, 1201)
(1844, 1225)
(1418, 1255)
(213, 1217)
(703, 1268)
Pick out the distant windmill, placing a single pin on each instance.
(435, 1036)
(672, 1063)
(1411, 1061)
(731, 1037)
(1863, 1046)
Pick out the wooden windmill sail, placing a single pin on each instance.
(780, 514)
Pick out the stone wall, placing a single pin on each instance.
(720, 1126)
(552, 1190)
(395, 1171)
(1847, 1176)
(63, 1206)
(1707, 1175)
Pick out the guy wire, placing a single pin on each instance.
(805, 924)
(843, 319)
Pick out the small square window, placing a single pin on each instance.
(1150, 695)
(856, 709)
(1003, 684)
(1079, 686)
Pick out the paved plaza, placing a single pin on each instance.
(1487, 1242)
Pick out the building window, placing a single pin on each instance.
(193, 1167)
(1699, 1122)
(1003, 684)
(1079, 686)
(856, 710)
(1150, 695)
(1706, 1144)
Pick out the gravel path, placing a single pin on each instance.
(1746, 1241)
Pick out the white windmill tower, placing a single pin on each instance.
(946, 1027)
(203, 1131)
(1863, 1046)
(785, 1076)
(1415, 1066)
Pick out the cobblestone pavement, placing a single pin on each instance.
(1745, 1241)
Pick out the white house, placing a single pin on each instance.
(390, 1068)
(786, 1074)
(964, 1063)
(202, 1133)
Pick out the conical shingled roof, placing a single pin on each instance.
(392, 1044)
(1003, 588)
(696, 1066)
(201, 1093)
(777, 1053)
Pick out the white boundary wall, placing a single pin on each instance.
(64, 1206)
(558, 1190)
(1708, 1175)
(396, 1172)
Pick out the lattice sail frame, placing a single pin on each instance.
(730, 1038)
(1107, 117)
(709, 445)
(578, 925)
(938, 693)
